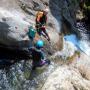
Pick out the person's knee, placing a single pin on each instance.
(45, 32)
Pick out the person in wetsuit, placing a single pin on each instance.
(38, 55)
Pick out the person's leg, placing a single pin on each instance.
(39, 31)
(34, 64)
(44, 62)
(46, 34)
(47, 61)
(40, 63)
(30, 42)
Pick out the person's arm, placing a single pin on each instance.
(38, 19)
(42, 55)
(30, 49)
(45, 22)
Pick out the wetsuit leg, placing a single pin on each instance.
(46, 34)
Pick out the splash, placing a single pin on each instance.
(81, 45)
(72, 38)
(84, 46)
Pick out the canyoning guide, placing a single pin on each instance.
(41, 19)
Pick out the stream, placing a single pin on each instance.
(20, 76)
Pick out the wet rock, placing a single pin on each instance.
(15, 17)
(72, 77)
(57, 13)
(83, 65)
(64, 10)
(12, 31)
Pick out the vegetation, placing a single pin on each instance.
(86, 8)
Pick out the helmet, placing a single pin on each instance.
(46, 10)
(39, 44)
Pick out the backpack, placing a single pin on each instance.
(31, 33)
(39, 14)
(42, 17)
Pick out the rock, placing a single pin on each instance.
(64, 10)
(57, 12)
(61, 11)
(83, 65)
(72, 77)
(12, 29)
(15, 17)
(65, 78)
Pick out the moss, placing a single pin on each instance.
(75, 2)
(87, 5)
(41, 70)
(78, 53)
(70, 59)
(27, 74)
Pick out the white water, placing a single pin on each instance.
(82, 45)
(72, 43)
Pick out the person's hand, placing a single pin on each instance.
(26, 30)
(43, 26)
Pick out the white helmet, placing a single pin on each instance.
(46, 10)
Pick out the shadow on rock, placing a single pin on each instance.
(9, 56)
(4, 28)
(55, 9)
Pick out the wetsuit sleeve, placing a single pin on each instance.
(30, 49)
(42, 55)
(45, 20)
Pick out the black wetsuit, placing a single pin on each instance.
(37, 56)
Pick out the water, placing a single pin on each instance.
(19, 76)
(83, 44)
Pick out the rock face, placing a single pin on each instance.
(12, 24)
(64, 10)
(12, 29)
(73, 77)
(16, 15)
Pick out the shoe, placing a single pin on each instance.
(48, 61)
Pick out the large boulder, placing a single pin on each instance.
(75, 76)
(60, 11)
(64, 12)
(12, 29)
(16, 16)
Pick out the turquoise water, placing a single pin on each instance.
(83, 43)
(72, 38)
